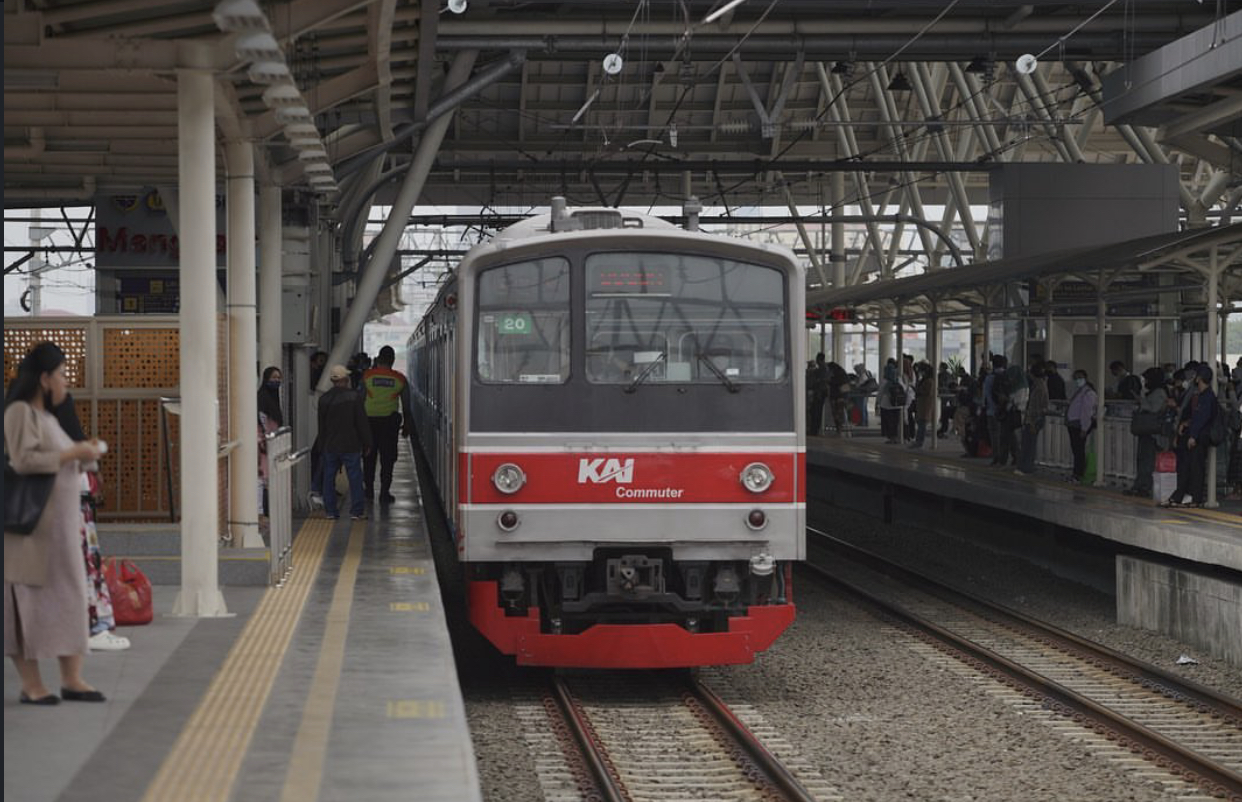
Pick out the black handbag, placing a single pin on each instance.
(25, 496)
(1146, 422)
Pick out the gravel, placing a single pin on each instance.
(1030, 589)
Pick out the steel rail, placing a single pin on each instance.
(608, 785)
(780, 776)
(1214, 777)
(1207, 699)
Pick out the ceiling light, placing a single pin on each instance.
(301, 129)
(900, 83)
(323, 168)
(1027, 63)
(239, 15)
(720, 12)
(316, 153)
(282, 95)
(292, 114)
(457, 6)
(257, 46)
(270, 72)
(845, 68)
(978, 64)
(303, 142)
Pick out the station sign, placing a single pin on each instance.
(134, 230)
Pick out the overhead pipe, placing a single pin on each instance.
(840, 112)
(888, 112)
(372, 274)
(449, 101)
(85, 192)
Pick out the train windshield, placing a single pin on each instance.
(524, 323)
(682, 318)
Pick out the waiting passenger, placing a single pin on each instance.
(1056, 384)
(924, 402)
(865, 386)
(838, 386)
(817, 385)
(1192, 444)
(1126, 386)
(1033, 419)
(891, 401)
(1080, 422)
(45, 605)
(1151, 406)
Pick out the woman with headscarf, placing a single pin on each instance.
(891, 400)
(1152, 402)
(45, 610)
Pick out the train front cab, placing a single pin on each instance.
(632, 479)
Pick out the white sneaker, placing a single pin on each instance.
(107, 642)
(316, 500)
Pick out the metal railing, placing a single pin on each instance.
(280, 462)
(1120, 447)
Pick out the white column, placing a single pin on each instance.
(837, 257)
(270, 253)
(933, 357)
(1212, 296)
(200, 526)
(1101, 367)
(243, 404)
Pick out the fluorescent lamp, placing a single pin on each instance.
(270, 72)
(239, 15)
(292, 114)
(720, 12)
(257, 46)
(282, 96)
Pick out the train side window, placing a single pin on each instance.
(523, 323)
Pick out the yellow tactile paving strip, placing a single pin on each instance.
(207, 756)
(311, 746)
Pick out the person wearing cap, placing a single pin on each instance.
(344, 436)
(1192, 446)
(386, 390)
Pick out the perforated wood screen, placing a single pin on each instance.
(119, 368)
(72, 340)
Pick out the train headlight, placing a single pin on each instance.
(508, 478)
(757, 477)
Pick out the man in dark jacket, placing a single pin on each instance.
(1056, 384)
(1193, 447)
(344, 435)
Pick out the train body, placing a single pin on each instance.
(612, 410)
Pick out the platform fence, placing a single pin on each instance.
(280, 461)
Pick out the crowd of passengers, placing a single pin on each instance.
(1178, 414)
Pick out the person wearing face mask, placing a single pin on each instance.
(1192, 445)
(45, 606)
(1153, 402)
(271, 418)
(1080, 422)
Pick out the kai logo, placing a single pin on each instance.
(602, 470)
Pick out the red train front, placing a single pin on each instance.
(612, 409)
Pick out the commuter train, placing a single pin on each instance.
(612, 410)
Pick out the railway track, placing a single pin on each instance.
(641, 737)
(1190, 731)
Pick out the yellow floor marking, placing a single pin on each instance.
(408, 569)
(206, 757)
(416, 708)
(310, 748)
(409, 607)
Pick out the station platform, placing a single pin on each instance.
(1208, 537)
(340, 684)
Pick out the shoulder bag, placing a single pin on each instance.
(25, 496)
(1146, 422)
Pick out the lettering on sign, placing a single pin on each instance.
(602, 469)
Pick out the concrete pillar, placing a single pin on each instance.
(1212, 297)
(243, 403)
(270, 270)
(901, 364)
(374, 271)
(837, 257)
(200, 527)
(933, 358)
(886, 346)
(1101, 367)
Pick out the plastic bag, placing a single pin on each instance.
(1089, 471)
(1166, 462)
(131, 592)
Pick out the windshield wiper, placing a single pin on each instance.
(642, 377)
(706, 360)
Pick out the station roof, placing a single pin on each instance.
(1187, 253)
(772, 94)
